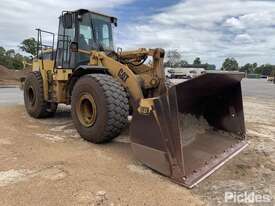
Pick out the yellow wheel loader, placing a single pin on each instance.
(184, 132)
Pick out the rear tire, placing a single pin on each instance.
(35, 104)
(100, 107)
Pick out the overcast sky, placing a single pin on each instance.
(211, 29)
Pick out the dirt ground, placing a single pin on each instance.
(254, 169)
(45, 162)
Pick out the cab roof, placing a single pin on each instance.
(83, 11)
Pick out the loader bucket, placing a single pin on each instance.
(193, 129)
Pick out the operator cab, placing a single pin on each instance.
(82, 30)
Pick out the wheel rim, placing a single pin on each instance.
(86, 110)
(31, 96)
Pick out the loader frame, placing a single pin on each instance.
(138, 76)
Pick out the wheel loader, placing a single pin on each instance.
(184, 131)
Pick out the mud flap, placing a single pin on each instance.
(194, 128)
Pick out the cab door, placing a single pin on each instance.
(65, 58)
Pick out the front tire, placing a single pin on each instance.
(35, 104)
(100, 107)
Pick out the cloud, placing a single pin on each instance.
(234, 22)
(211, 29)
(19, 18)
(243, 39)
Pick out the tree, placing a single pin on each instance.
(29, 46)
(254, 66)
(181, 63)
(247, 68)
(19, 57)
(173, 57)
(265, 69)
(10, 59)
(197, 61)
(17, 64)
(10, 53)
(210, 66)
(230, 64)
(2, 51)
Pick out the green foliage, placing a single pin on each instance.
(210, 66)
(254, 65)
(248, 68)
(10, 53)
(197, 61)
(181, 63)
(29, 45)
(230, 64)
(11, 59)
(175, 60)
(2, 51)
(265, 69)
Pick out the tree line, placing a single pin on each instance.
(231, 64)
(174, 60)
(11, 59)
(14, 60)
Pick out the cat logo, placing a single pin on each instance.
(123, 75)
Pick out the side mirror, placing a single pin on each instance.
(74, 47)
(67, 20)
(114, 21)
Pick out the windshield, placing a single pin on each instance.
(95, 32)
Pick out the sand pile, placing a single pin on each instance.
(9, 76)
(192, 127)
(5, 73)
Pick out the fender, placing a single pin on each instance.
(81, 71)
